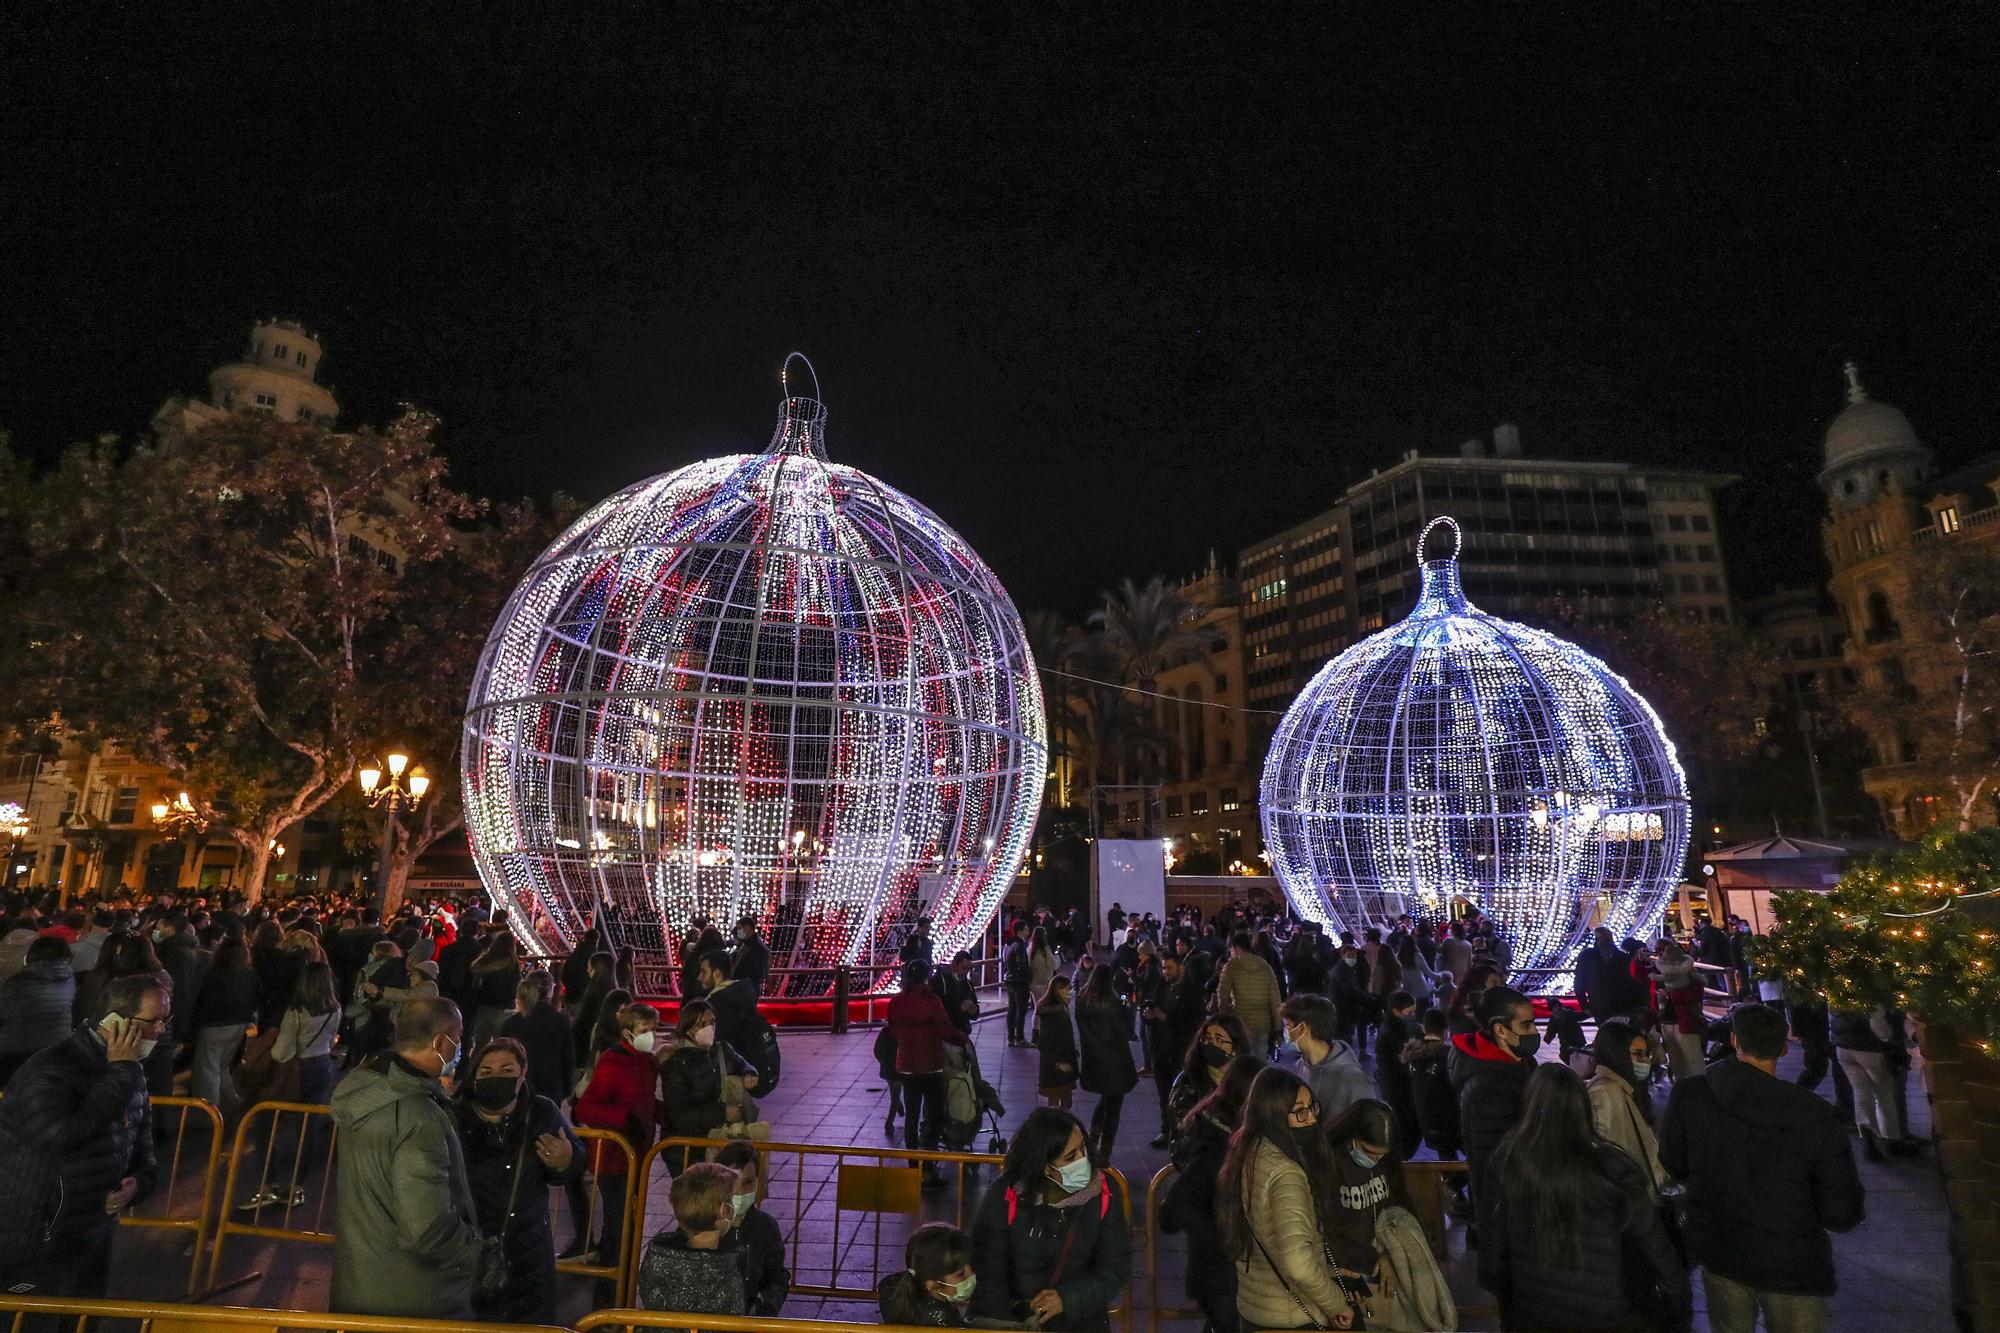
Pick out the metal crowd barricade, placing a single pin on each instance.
(1155, 1189)
(175, 1204)
(730, 1323)
(295, 1194)
(881, 1182)
(621, 1270)
(83, 1316)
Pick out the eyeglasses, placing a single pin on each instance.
(1305, 1115)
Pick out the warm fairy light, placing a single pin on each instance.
(1457, 757)
(763, 685)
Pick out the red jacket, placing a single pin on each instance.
(921, 1027)
(623, 1096)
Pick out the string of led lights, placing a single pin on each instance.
(762, 685)
(1456, 758)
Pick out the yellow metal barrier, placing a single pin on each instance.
(879, 1181)
(731, 1323)
(619, 1272)
(290, 1191)
(80, 1316)
(1154, 1189)
(174, 1206)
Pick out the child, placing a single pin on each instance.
(936, 1283)
(767, 1280)
(697, 1267)
(1427, 1057)
(1055, 1038)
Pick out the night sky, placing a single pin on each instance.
(1105, 292)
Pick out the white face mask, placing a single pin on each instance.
(703, 1037)
(146, 1046)
(643, 1041)
(741, 1204)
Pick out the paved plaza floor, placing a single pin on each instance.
(1893, 1272)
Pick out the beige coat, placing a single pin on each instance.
(1279, 1204)
(1248, 988)
(1614, 1106)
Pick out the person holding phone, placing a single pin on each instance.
(76, 1144)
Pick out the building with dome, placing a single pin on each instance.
(1888, 509)
(278, 374)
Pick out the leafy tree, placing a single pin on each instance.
(222, 608)
(1933, 702)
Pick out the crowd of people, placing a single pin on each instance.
(1294, 1072)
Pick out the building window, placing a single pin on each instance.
(1222, 683)
(1711, 583)
(1228, 800)
(280, 350)
(1706, 553)
(1228, 752)
(126, 808)
(1717, 613)
(1198, 803)
(1948, 519)
(1173, 807)
(1677, 523)
(1701, 522)
(267, 400)
(1874, 535)
(1681, 553)
(1131, 812)
(302, 360)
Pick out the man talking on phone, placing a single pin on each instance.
(76, 1144)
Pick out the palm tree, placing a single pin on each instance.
(1056, 645)
(1145, 627)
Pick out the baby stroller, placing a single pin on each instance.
(969, 1100)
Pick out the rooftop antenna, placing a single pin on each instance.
(1855, 393)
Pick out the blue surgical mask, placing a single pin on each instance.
(451, 1065)
(741, 1204)
(1074, 1176)
(1362, 1159)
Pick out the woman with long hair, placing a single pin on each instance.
(1042, 963)
(495, 974)
(1220, 1039)
(1570, 1235)
(224, 1009)
(583, 1008)
(1189, 1206)
(306, 1032)
(1274, 1207)
(277, 972)
(936, 1282)
(1050, 1221)
(1368, 1176)
(1104, 1031)
(1621, 1097)
(1055, 1038)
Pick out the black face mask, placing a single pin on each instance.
(1214, 1056)
(1525, 1047)
(494, 1093)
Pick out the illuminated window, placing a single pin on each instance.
(1948, 519)
(1228, 800)
(1198, 803)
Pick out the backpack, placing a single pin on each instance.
(961, 1097)
(763, 1055)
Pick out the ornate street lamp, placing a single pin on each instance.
(397, 789)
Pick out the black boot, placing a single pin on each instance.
(1871, 1148)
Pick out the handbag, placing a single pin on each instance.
(1284, 1282)
(492, 1275)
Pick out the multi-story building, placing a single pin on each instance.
(1608, 539)
(278, 373)
(1885, 508)
(1205, 804)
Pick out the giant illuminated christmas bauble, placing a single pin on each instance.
(763, 685)
(1459, 759)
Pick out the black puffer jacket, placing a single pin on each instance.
(1105, 1031)
(1432, 1093)
(1623, 1254)
(1854, 1030)
(226, 998)
(35, 1006)
(1189, 1208)
(1768, 1173)
(691, 1087)
(1491, 1085)
(72, 1126)
(1055, 1038)
(1015, 1244)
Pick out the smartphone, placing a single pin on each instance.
(113, 1026)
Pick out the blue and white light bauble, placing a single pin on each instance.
(1459, 759)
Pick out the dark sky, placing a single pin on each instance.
(1104, 291)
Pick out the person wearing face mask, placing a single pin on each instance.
(1050, 1241)
(406, 1234)
(767, 1281)
(936, 1283)
(1489, 1069)
(1621, 1098)
(1393, 1287)
(1218, 1041)
(695, 1080)
(750, 959)
(1329, 1065)
(623, 1097)
(76, 1144)
(1275, 1205)
(697, 1268)
(517, 1146)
